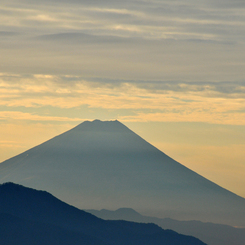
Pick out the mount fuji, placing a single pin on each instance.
(103, 164)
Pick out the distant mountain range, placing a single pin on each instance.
(100, 165)
(210, 233)
(29, 217)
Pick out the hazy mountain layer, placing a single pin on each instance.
(28, 216)
(105, 165)
(210, 233)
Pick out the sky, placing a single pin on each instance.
(172, 71)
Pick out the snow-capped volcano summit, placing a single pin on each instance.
(105, 165)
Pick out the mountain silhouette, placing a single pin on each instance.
(28, 217)
(103, 164)
(210, 233)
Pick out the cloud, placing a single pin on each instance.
(148, 19)
(171, 58)
(17, 115)
(9, 144)
(137, 40)
(189, 115)
(7, 34)
(207, 89)
(134, 100)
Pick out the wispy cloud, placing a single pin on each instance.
(9, 143)
(150, 101)
(186, 20)
(137, 40)
(153, 60)
(17, 115)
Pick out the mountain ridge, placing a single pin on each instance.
(109, 164)
(210, 233)
(29, 216)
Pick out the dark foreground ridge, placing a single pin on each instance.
(103, 164)
(28, 217)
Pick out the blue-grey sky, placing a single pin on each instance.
(158, 66)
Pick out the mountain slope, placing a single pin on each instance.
(210, 233)
(15, 230)
(109, 166)
(28, 216)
